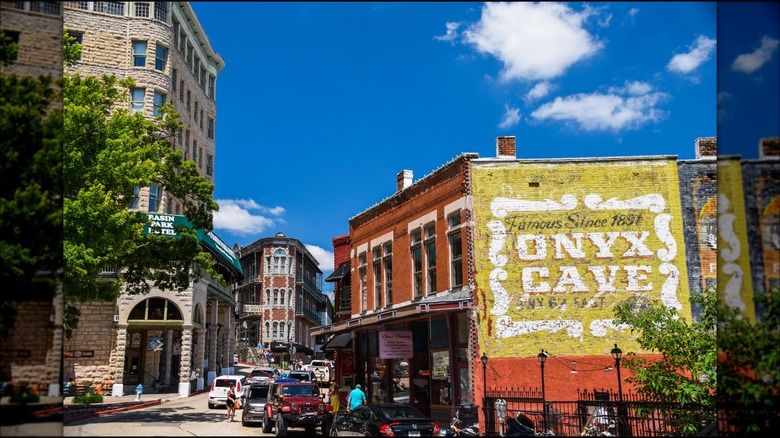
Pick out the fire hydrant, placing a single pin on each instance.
(139, 391)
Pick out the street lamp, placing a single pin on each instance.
(542, 358)
(617, 354)
(289, 345)
(484, 360)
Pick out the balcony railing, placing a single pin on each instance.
(313, 316)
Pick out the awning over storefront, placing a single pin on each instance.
(341, 340)
(340, 272)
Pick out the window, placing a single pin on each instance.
(78, 38)
(210, 128)
(195, 113)
(281, 330)
(187, 144)
(113, 8)
(189, 100)
(139, 53)
(179, 134)
(137, 99)
(209, 165)
(176, 30)
(377, 267)
(202, 78)
(200, 123)
(134, 203)
(456, 250)
(141, 9)
(182, 42)
(154, 198)
(388, 262)
(174, 79)
(430, 257)
(181, 90)
(51, 8)
(268, 297)
(189, 54)
(281, 298)
(161, 11)
(161, 57)
(159, 100)
(194, 150)
(363, 282)
(276, 297)
(200, 157)
(417, 263)
(196, 67)
(276, 330)
(280, 262)
(212, 83)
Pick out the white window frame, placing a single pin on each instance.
(137, 104)
(137, 54)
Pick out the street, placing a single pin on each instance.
(188, 416)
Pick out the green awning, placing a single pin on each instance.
(166, 224)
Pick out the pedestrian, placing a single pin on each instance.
(356, 398)
(333, 392)
(231, 402)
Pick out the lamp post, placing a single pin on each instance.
(617, 353)
(289, 345)
(542, 358)
(484, 360)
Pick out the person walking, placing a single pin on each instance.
(356, 398)
(230, 403)
(333, 392)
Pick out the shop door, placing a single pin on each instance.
(133, 370)
(421, 370)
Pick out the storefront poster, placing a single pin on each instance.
(395, 344)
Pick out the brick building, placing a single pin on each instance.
(163, 47)
(506, 257)
(31, 353)
(280, 299)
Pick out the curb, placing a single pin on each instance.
(68, 419)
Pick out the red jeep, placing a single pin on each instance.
(296, 404)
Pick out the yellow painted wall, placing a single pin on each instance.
(734, 282)
(558, 244)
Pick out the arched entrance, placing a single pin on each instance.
(153, 352)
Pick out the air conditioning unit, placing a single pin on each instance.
(116, 318)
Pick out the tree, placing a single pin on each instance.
(685, 373)
(30, 187)
(749, 366)
(108, 154)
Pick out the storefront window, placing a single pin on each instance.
(400, 380)
(441, 380)
(379, 392)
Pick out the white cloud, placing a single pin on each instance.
(452, 33)
(622, 108)
(323, 256)
(534, 41)
(235, 216)
(632, 13)
(510, 118)
(750, 62)
(723, 96)
(538, 91)
(700, 51)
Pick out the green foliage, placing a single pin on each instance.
(87, 399)
(8, 49)
(749, 363)
(108, 152)
(30, 188)
(24, 397)
(71, 52)
(685, 373)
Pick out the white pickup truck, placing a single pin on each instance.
(322, 369)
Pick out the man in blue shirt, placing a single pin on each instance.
(356, 398)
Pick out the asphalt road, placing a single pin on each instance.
(187, 416)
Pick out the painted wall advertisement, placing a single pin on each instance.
(558, 245)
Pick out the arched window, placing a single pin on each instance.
(276, 330)
(157, 310)
(281, 298)
(276, 297)
(280, 262)
(267, 329)
(281, 331)
(267, 297)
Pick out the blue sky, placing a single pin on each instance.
(320, 105)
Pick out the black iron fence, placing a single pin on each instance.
(594, 413)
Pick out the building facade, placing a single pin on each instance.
(280, 299)
(166, 338)
(503, 258)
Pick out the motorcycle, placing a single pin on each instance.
(458, 426)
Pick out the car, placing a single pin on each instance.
(292, 403)
(302, 375)
(323, 369)
(263, 374)
(220, 386)
(385, 419)
(254, 402)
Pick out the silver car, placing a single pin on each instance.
(254, 402)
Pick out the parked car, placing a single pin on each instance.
(385, 419)
(220, 386)
(254, 402)
(323, 369)
(263, 374)
(302, 375)
(296, 404)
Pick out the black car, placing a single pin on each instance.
(254, 403)
(385, 419)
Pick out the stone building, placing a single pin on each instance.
(280, 299)
(501, 258)
(165, 337)
(31, 350)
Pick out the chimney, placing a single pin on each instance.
(505, 147)
(769, 147)
(403, 180)
(706, 148)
